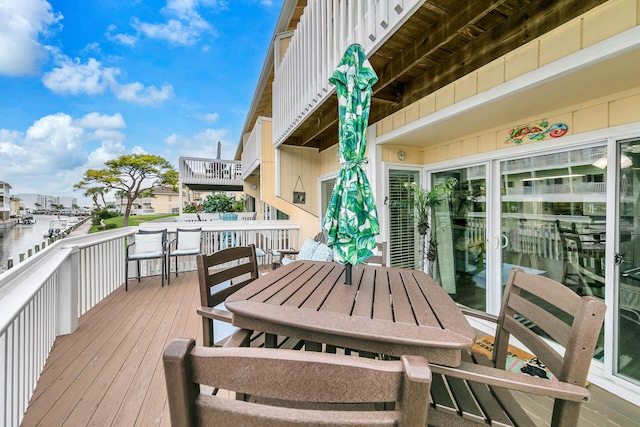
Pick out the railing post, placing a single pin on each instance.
(68, 281)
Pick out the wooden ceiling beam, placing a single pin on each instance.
(525, 25)
(444, 31)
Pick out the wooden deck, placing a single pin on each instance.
(109, 372)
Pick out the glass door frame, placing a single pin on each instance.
(492, 273)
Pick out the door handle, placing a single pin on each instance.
(618, 259)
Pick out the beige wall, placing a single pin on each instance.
(596, 25)
(165, 203)
(309, 223)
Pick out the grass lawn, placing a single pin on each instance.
(134, 220)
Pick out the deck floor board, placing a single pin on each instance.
(109, 372)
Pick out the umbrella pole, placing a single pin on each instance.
(347, 274)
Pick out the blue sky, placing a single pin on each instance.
(82, 82)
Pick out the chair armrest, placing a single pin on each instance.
(515, 381)
(478, 314)
(289, 252)
(128, 246)
(239, 338)
(284, 252)
(215, 314)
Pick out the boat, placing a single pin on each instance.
(27, 220)
(56, 226)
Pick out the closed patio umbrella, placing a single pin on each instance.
(352, 219)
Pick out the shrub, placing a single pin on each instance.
(217, 203)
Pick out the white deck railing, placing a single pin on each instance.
(44, 296)
(210, 171)
(252, 153)
(325, 30)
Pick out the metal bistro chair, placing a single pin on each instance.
(188, 242)
(295, 388)
(481, 387)
(229, 237)
(147, 245)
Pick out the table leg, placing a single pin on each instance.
(313, 346)
(270, 340)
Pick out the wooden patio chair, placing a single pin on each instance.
(308, 246)
(582, 261)
(188, 242)
(295, 388)
(148, 245)
(220, 275)
(481, 387)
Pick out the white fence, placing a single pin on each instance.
(210, 171)
(44, 296)
(325, 30)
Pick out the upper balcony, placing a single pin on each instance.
(301, 82)
(416, 48)
(210, 174)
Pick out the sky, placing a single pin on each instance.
(85, 81)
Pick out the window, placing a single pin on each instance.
(326, 189)
(403, 239)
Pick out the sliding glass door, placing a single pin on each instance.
(627, 352)
(459, 235)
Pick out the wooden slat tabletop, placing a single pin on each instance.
(385, 310)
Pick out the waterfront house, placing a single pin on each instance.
(533, 106)
(162, 200)
(5, 201)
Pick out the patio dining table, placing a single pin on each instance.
(385, 310)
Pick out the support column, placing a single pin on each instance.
(68, 283)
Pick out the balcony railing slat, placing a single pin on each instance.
(322, 35)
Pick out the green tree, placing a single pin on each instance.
(133, 174)
(94, 193)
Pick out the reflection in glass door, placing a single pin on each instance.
(459, 229)
(627, 362)
(553, 218)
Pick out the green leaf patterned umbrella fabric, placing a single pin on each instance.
(352, 219)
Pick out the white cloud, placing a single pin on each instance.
(97, 120)
(72, 76)
(22, 22)
(184, 24)
(92, 78)
(137, 93)
(121, 38)
(211, 117)
(52, 154)
(203, 144)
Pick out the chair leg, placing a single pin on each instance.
(163, 270)
(138, 265)
(126, 274)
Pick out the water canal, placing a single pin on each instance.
(21, 238)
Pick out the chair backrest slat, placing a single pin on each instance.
(534, 305)
(295, 388)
